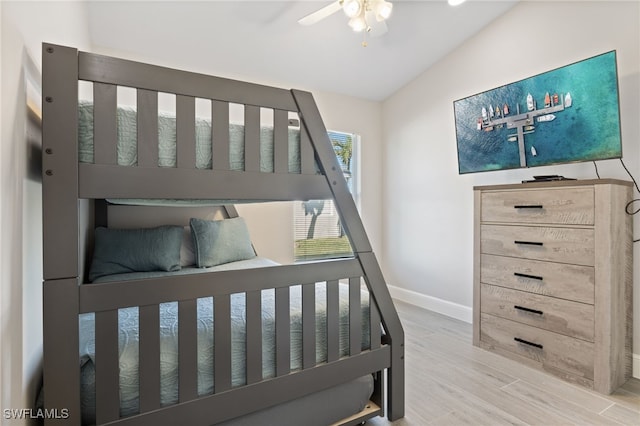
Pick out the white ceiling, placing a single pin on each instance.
(261, 41)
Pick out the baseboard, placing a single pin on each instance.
(636, 366)
(444, 307)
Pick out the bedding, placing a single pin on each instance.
(129, 338)
(127, 141)
(220, 241)
(118, 251)
(203, 243)
(187, 252)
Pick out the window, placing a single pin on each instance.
(318, 232)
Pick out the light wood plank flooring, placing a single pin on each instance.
(451, 382)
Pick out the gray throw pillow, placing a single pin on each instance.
(220, 241)
(119, 251)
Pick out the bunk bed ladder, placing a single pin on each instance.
(354, 229)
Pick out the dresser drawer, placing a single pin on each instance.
(560, 280)
(563, 245)
(558, 315)
(573, 206)
(553, 350)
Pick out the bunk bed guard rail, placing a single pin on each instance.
(67, 184)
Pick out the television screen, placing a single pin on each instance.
(568, 114)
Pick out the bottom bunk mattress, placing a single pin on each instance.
(129, 339)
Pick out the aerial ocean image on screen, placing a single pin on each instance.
(565, 115)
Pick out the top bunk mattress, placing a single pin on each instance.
(167, 152)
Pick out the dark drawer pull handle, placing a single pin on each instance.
(533, 311)
(529, 243)
(535, 345)
(533, 277)
(532, 206)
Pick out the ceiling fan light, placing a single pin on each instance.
(358, 24)
(383, 10)
(352, 8)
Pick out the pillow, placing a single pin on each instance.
(118, 251)
(187, 253)
(220, 241)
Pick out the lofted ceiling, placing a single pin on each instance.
(261, 41)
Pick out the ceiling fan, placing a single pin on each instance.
(364, 15)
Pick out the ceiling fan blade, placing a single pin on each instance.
(320, 14)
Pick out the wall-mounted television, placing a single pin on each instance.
(565, 115)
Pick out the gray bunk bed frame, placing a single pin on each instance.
(73, 204)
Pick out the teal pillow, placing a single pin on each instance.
(220, 241)
(119, 251)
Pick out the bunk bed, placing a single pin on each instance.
(333, 328)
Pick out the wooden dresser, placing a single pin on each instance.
(553, 277)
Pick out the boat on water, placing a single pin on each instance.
(533, 151)
(512, 138)
(546, 117)
(479, 124)
(505, 109)
(530, 104)
(547, 100)
(484, 113)
(554, 99)
(528, 128)
(490, 111)
(567, 100)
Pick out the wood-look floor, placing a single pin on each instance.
(451, 382)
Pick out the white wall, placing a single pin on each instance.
(428, 235)
(24, 27)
